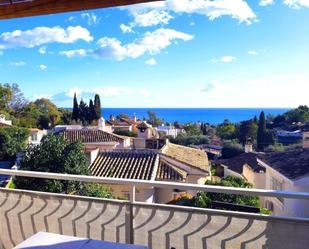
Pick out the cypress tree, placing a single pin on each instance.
(97, 106)
(261, 133)
(83, 111)
(76, 111)
(92, 113)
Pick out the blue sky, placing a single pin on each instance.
(178, 53)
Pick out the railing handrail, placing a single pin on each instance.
(158, 184)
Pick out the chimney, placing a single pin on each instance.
(248, 146)
(101, 124)
(112, 117)
(134, 118)
(306, 138)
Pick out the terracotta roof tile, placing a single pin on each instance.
(91, 136)
(129, 164)
(193, 157)
(170, 173)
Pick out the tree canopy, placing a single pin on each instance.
(57, 155)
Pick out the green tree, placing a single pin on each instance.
(153, 119)
(18, 100)
(46, 107)
(97, 106)
(264, 137)
(12, 141)
(5, 96)
(246, 129)
(83, 112)
(226, 130)
(75, 113)
(57, 155)
(92, 114)
(231, 149)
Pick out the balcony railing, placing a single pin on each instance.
(24, 213)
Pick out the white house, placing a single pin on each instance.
(169, 130)
(36, 136)
(4, 122)
(172, 163)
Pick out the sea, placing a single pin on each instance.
(187, 115)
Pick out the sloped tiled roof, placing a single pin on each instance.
(236, 163)
(129, 164)
(167, 172)
(292, 164)
(193, 157)
(91, 136)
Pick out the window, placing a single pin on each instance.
(277, 185)
(34, 137)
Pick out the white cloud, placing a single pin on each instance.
(17, 63)
(227, 58)
(92, 19)
(146, 19)
(253, 52)
(42, 50)
(151, 62)
(192, 23)
(107, 92)
(71, 19)
(75, 52)
(151, 18)
(126, 28)
(42, 67)
(149, 43)
(266, 2)
(43, 35)
(209, 86)
(297, 3)
(237, 9)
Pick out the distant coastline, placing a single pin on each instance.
(185, 115)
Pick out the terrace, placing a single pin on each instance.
(24, 213)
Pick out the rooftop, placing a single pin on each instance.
(90, 136)
(236, 163)
(292, 164)
(193, 157)
(129, 164)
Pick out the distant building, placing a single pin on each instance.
(288, 170)
(36, 136)
(171, 163)
(4, 122)
(60, 128)
(119, 125)
(170, 131)
(96, 139)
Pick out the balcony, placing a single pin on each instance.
(24, 213)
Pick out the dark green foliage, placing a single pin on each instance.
(43, 122)
(57, 155)
(5, 96)
(97, 106)
(205, 199)
(83, 112)
(92, 114)
(226, 130)
(125, 133)
(231, 149)
(153, 119)
(184, 139)
(246, 130)
(261, 134)
(12, 141)
(76, 111)
(300, 114)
